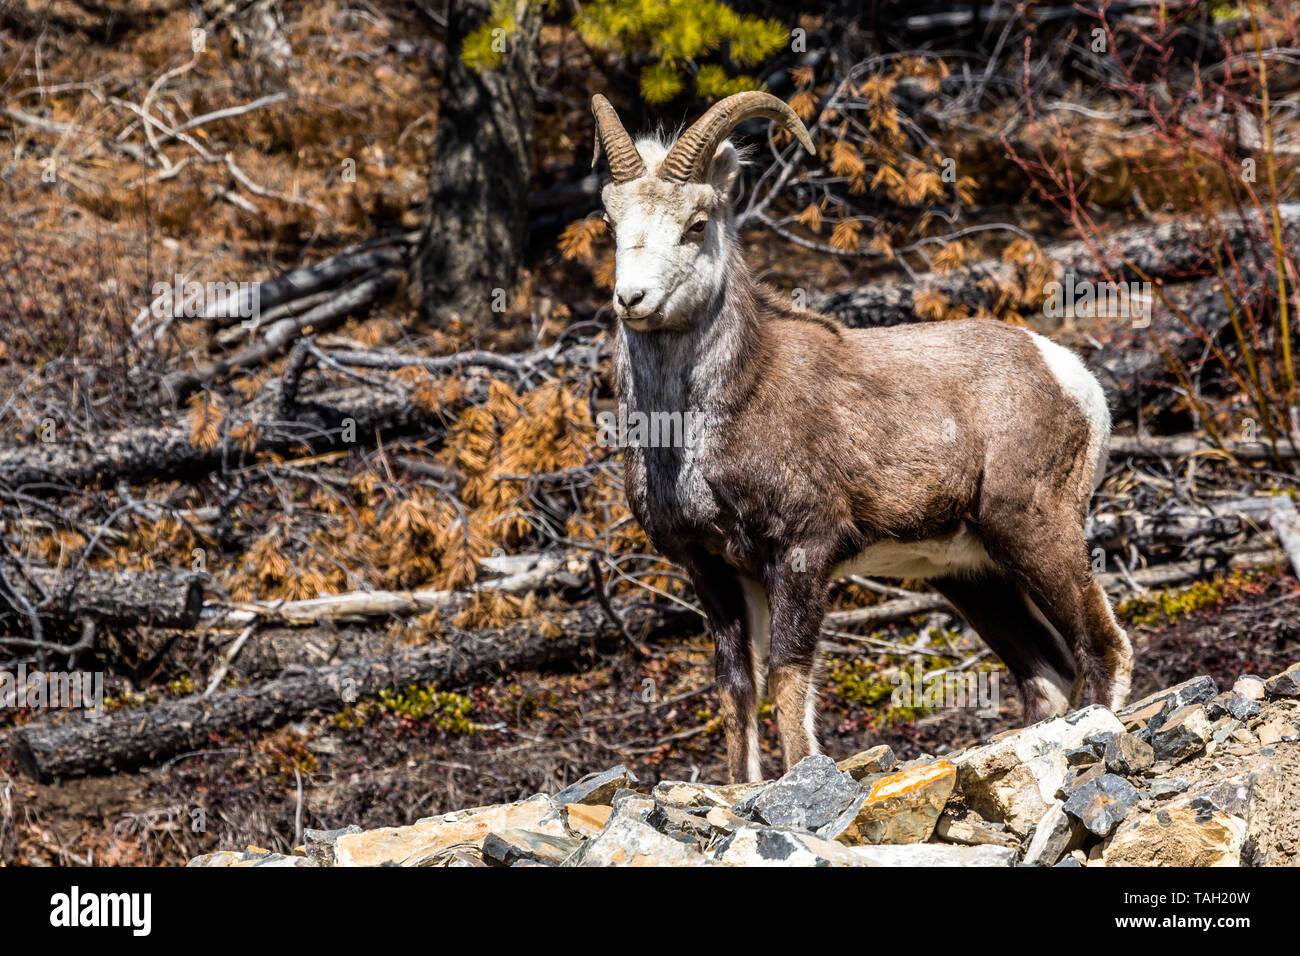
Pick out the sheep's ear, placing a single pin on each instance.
(724, 170)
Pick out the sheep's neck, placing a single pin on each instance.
(705, 369)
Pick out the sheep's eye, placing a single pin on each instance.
(697, 228)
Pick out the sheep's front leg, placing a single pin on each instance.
(722, 597)
(796, 594)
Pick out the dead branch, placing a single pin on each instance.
(351, 300)
(357, 605)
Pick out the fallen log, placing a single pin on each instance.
(357, 605)
(337, 418)
(996, 14)
(1185, 446)
(1285, 522)
(261, 298)
(1182, 525)
(169, 599)
(355, 298)
(154, 452)
(75, 745)
(887, 612)
(1180, 572)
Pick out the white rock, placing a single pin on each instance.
(769, 846)
(1052, 836)
(1014, 779)
(935, 854)
(418, 843)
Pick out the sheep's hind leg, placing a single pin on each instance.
(1014, 629)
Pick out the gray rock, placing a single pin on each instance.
(1285, 684)
(1080, 779)
(1197, 690)
(320, 843)
(973, 831)
(1233, 704)
(273, 860)
(1101, 804)
(1223, 824)
(628, 840)
(629, 803)
(723, 821)
(1219, 706)
(1084, 756)
(812, 794)
(1182, 734)
(1254, 798)
(1242, 707)
(683, 825)
(469, 858)
(696, 796)
(1056, 833)
(597, 787)
(513, 847)
(1223, 729)
(1099, 741)
(1069, 861)
(879, 759)
(902, 807)
(1128, 755)
(1167, 787)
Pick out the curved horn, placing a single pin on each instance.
(624, 161)
(688, 160)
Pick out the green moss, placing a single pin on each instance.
(350, 718)
(858, 682)
(447, 711)
(1162, 608)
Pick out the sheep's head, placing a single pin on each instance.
(670, 208)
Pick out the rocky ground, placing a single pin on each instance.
(1192, 775)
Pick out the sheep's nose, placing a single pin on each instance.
(629, 297)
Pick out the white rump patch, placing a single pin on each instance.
(961, 552)
(1082, 386)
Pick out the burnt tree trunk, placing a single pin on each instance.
(171, 598)
(73, 745)
(475, 217)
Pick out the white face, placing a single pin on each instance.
(671, 242)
